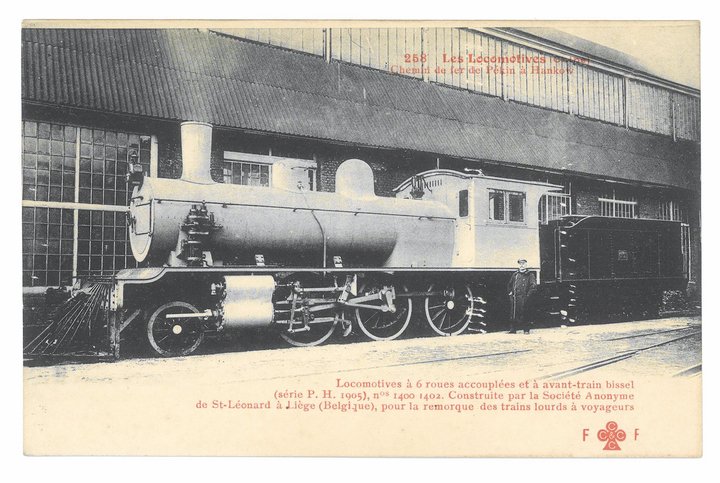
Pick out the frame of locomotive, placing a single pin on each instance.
(218, 257)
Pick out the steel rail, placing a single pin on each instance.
(692, 371)
(648, 334)
(614, 359)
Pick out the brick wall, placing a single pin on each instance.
(170, 153)
(585, 198)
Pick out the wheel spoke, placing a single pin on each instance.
(161, 336)
(453, 303)
(375, 316)
(442, 322)
(383, 325)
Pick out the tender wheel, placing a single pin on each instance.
(380, 325)
(174, 337)
(448, 309)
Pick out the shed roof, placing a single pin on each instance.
(190, 74)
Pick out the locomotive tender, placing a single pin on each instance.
(220, 257)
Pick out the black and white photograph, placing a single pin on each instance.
(305, 238)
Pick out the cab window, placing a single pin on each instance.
(507, 206)
(463, 203)
(497, 205)
(516, 207)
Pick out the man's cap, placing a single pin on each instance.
(522, 260)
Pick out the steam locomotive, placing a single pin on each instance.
(217, 257)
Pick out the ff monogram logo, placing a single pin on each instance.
(612, 435)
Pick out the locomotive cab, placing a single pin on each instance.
(496, 222)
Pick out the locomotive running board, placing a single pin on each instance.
(150, 275)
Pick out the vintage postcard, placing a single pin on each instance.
(323, 238)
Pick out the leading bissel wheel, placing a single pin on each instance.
(449, 309)
(172, 337)
(380, 325)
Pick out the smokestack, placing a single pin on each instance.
(196, 138)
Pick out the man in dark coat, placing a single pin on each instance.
(521, 288)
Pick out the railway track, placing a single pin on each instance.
(619, 357)
(692, 371)
(624, 355)
(554, 354)
(649, 334)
